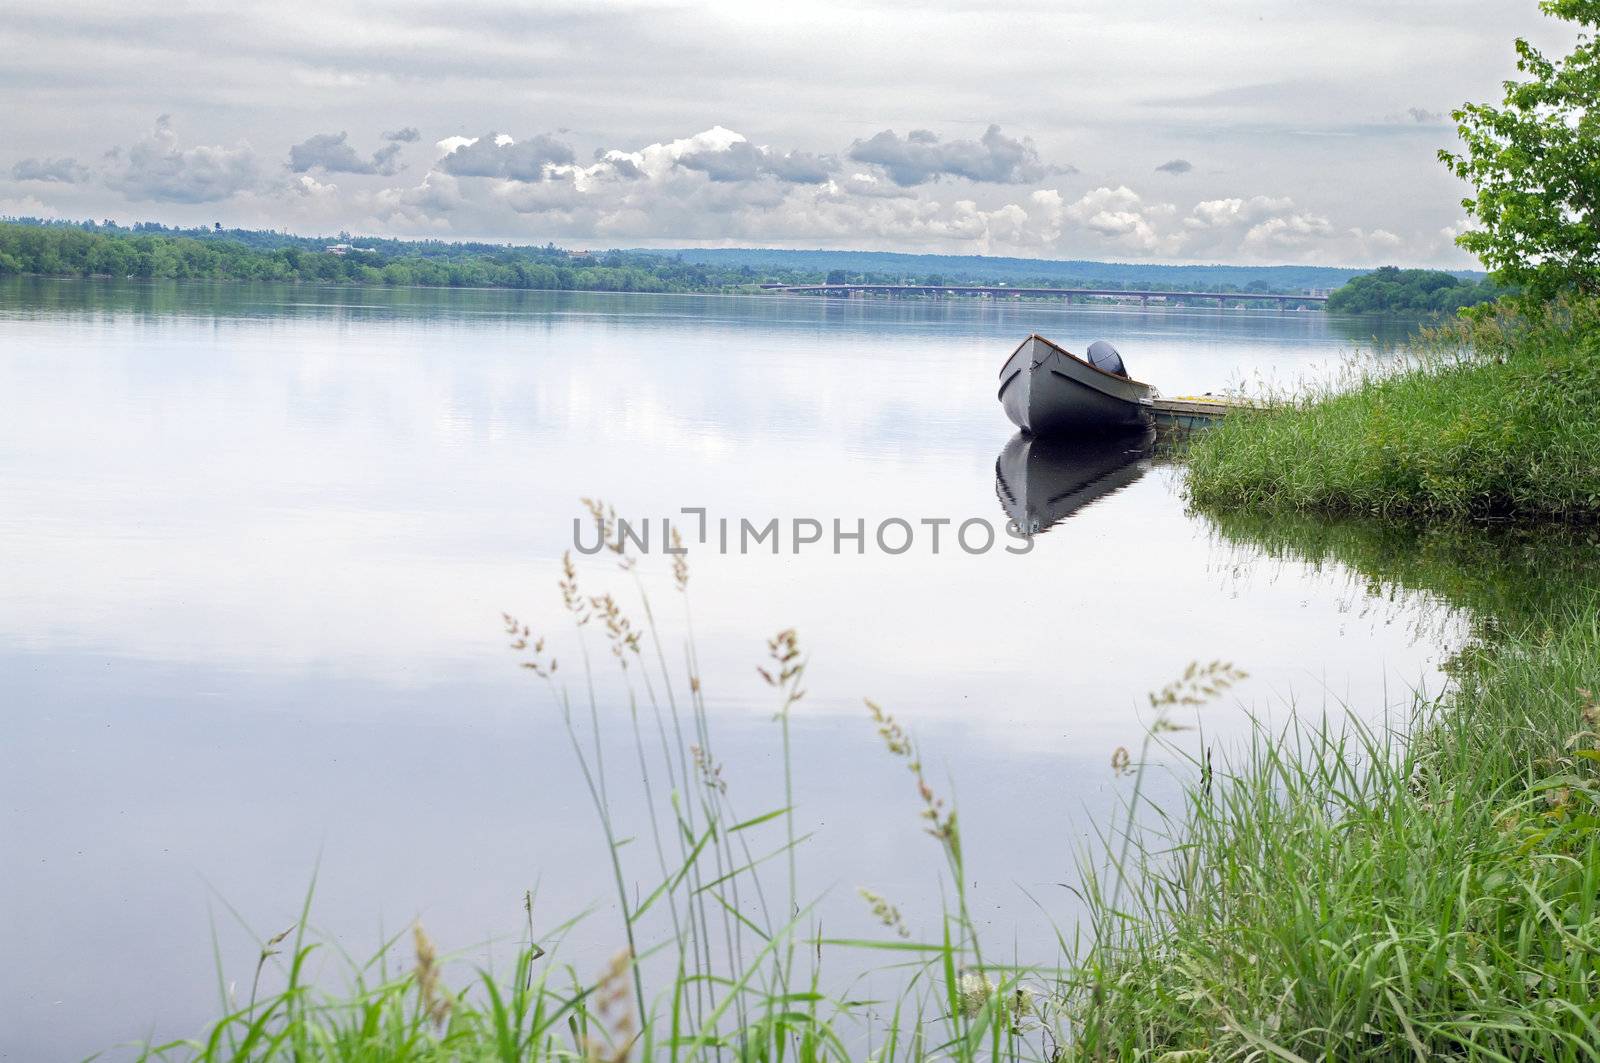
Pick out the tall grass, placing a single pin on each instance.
(1492, 417)
(1333, 891)
(1340, 892)
(721, 957)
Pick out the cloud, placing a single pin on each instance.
(866, 184)
(720, 153)
(332, 153)
(1236, 212)
(621, 164)
(1258, 94)
(157, 168)
(1175, 167)
(741, 160)
(713, 186)
(719, 187)
(920, 156)
(1121, 215)
(498, 155)
(429, 206)
(65, 171)
(26, 207)
(1290, 232)
(407, 135)
(310, 188)
(1273, 228)
(647, 196)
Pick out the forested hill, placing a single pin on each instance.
(153, 251)
(104, 249)
(1047, 272)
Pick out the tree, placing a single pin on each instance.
(1390, 290)
(1534, 163)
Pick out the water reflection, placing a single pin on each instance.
(255, 541)
(1499, 578)
(1041, 482)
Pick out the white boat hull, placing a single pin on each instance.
(1046, 390)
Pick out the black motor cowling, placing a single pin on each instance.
(1104, 356)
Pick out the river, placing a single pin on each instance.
(256, 542)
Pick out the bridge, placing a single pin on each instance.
(1144, 297)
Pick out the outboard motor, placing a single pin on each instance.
(1104, 356)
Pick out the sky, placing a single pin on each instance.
(1164, 130)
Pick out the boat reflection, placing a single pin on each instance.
(1042, 481)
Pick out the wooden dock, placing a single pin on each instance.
(1197, 411)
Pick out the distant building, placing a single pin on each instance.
(338, 249)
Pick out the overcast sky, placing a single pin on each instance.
(1267, 131)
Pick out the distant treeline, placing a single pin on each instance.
(894, 266)
(1410, 291)
(153, 251)
(149, 250)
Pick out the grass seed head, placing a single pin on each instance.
(620, 632)
(1121, 761)
(529, 646)
(710, 772)
(571, 597)
(897, 740)
(786, 668)
(680, 562)
(611, 1006)
(884, 912)
(435, 1001)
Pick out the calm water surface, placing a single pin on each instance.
(255, 545)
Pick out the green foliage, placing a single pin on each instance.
(1344, 893)
(151, 252)
(1497, 420)
(1535, 165)
(1390, 290)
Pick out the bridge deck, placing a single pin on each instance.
(979, 289)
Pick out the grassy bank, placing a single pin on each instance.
(1354, 895)
(1495, 419)
(1362, 896)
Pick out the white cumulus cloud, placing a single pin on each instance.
(158, 167)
